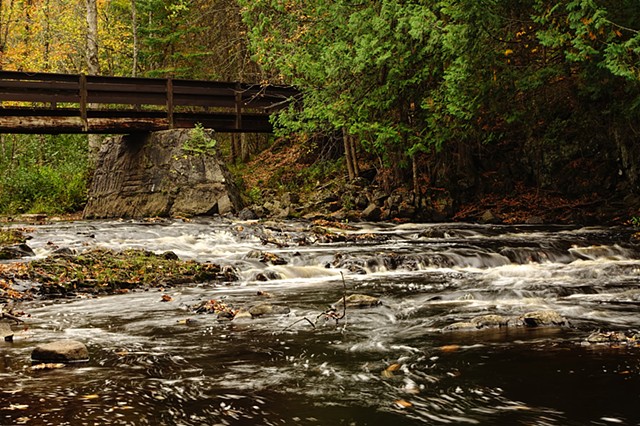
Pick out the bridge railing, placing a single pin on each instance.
(108, 104)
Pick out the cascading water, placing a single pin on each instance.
(424, 356)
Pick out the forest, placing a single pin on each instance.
(455, 102)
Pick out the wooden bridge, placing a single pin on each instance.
(45, 103)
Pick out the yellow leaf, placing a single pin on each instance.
(18, 407)
(450, 348)
(47, 366)
(508, 52)
(92, 396)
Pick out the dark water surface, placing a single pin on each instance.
(391, 364)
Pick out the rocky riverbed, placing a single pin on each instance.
(321, 322)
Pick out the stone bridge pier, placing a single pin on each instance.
(160, 174)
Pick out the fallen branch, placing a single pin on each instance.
(331, 313)
(300, 320)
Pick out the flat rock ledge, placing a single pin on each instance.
(530, 320)
(65, 351)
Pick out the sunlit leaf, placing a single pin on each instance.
(92, 396)
(401, 403)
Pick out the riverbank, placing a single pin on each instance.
(285, 181)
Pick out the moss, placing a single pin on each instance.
(108, 271)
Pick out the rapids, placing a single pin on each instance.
(377, 366)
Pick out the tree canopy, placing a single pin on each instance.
(408, 76)
(399, 77)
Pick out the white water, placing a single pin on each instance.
(149, 367)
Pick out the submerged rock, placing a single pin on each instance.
(613, 338)
(461, 326)
(357, 301)
(262, 309)
(61, 351)
(478, 323)
(266, 257)
(491, 321)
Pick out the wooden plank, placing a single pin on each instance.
(127, 98)
(127, 87)
(15, 86)
(114, 104)
(40, 97)
(35, 124)
(20, 75)
(254, 123)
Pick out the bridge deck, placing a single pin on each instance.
(67, 103)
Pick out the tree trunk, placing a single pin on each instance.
(354, 157)
(245, 148)
(93, 64)
(235, 149)
(47, 35)
(348, 154)
(414, 171)
(134, 30)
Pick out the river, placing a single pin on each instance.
(159, 363)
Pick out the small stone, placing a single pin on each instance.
(534, 220)
(372, 213)
(33, 218)
(247, 214)
(61, 351)
(242, 314)
(6, 332)
(490, 217)
(169, 255)
(64, 252)
(461, 326)
(225, 205)
(357, 301)
(268, 309)
(290, 198)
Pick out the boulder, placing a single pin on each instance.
(158, 174)
(542, 319)
(16, 251)
(61, 351)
